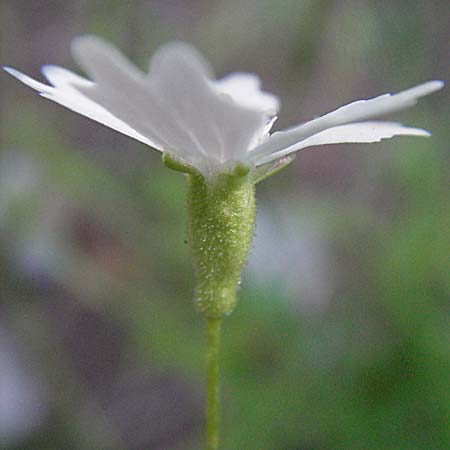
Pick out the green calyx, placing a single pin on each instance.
(222, 216)
(221, 222)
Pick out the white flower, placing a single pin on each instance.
(211, 125)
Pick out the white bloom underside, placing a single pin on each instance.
(179, 108)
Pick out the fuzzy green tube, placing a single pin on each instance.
(222, 215)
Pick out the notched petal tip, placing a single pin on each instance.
(413, 94)
(63, 78)
(417, 132)
(245, 90)
(86, 42)
(101, 60)
(169, 57)
(84, 47)
(428, 87)
(438, 84)
(25, 79)
(15, 73)
(10, 70)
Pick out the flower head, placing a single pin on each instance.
(210, 125)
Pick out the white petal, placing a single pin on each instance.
(64, 94)
(351, 133)
(178, 76)
(353, 112)
(245, 90)
(222, 129)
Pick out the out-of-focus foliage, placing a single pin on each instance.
(340, 339)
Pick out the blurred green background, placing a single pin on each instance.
(340, 339)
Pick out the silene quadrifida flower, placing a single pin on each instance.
(217, 131)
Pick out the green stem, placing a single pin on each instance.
(212, 382)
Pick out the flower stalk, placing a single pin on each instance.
(213, 326)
